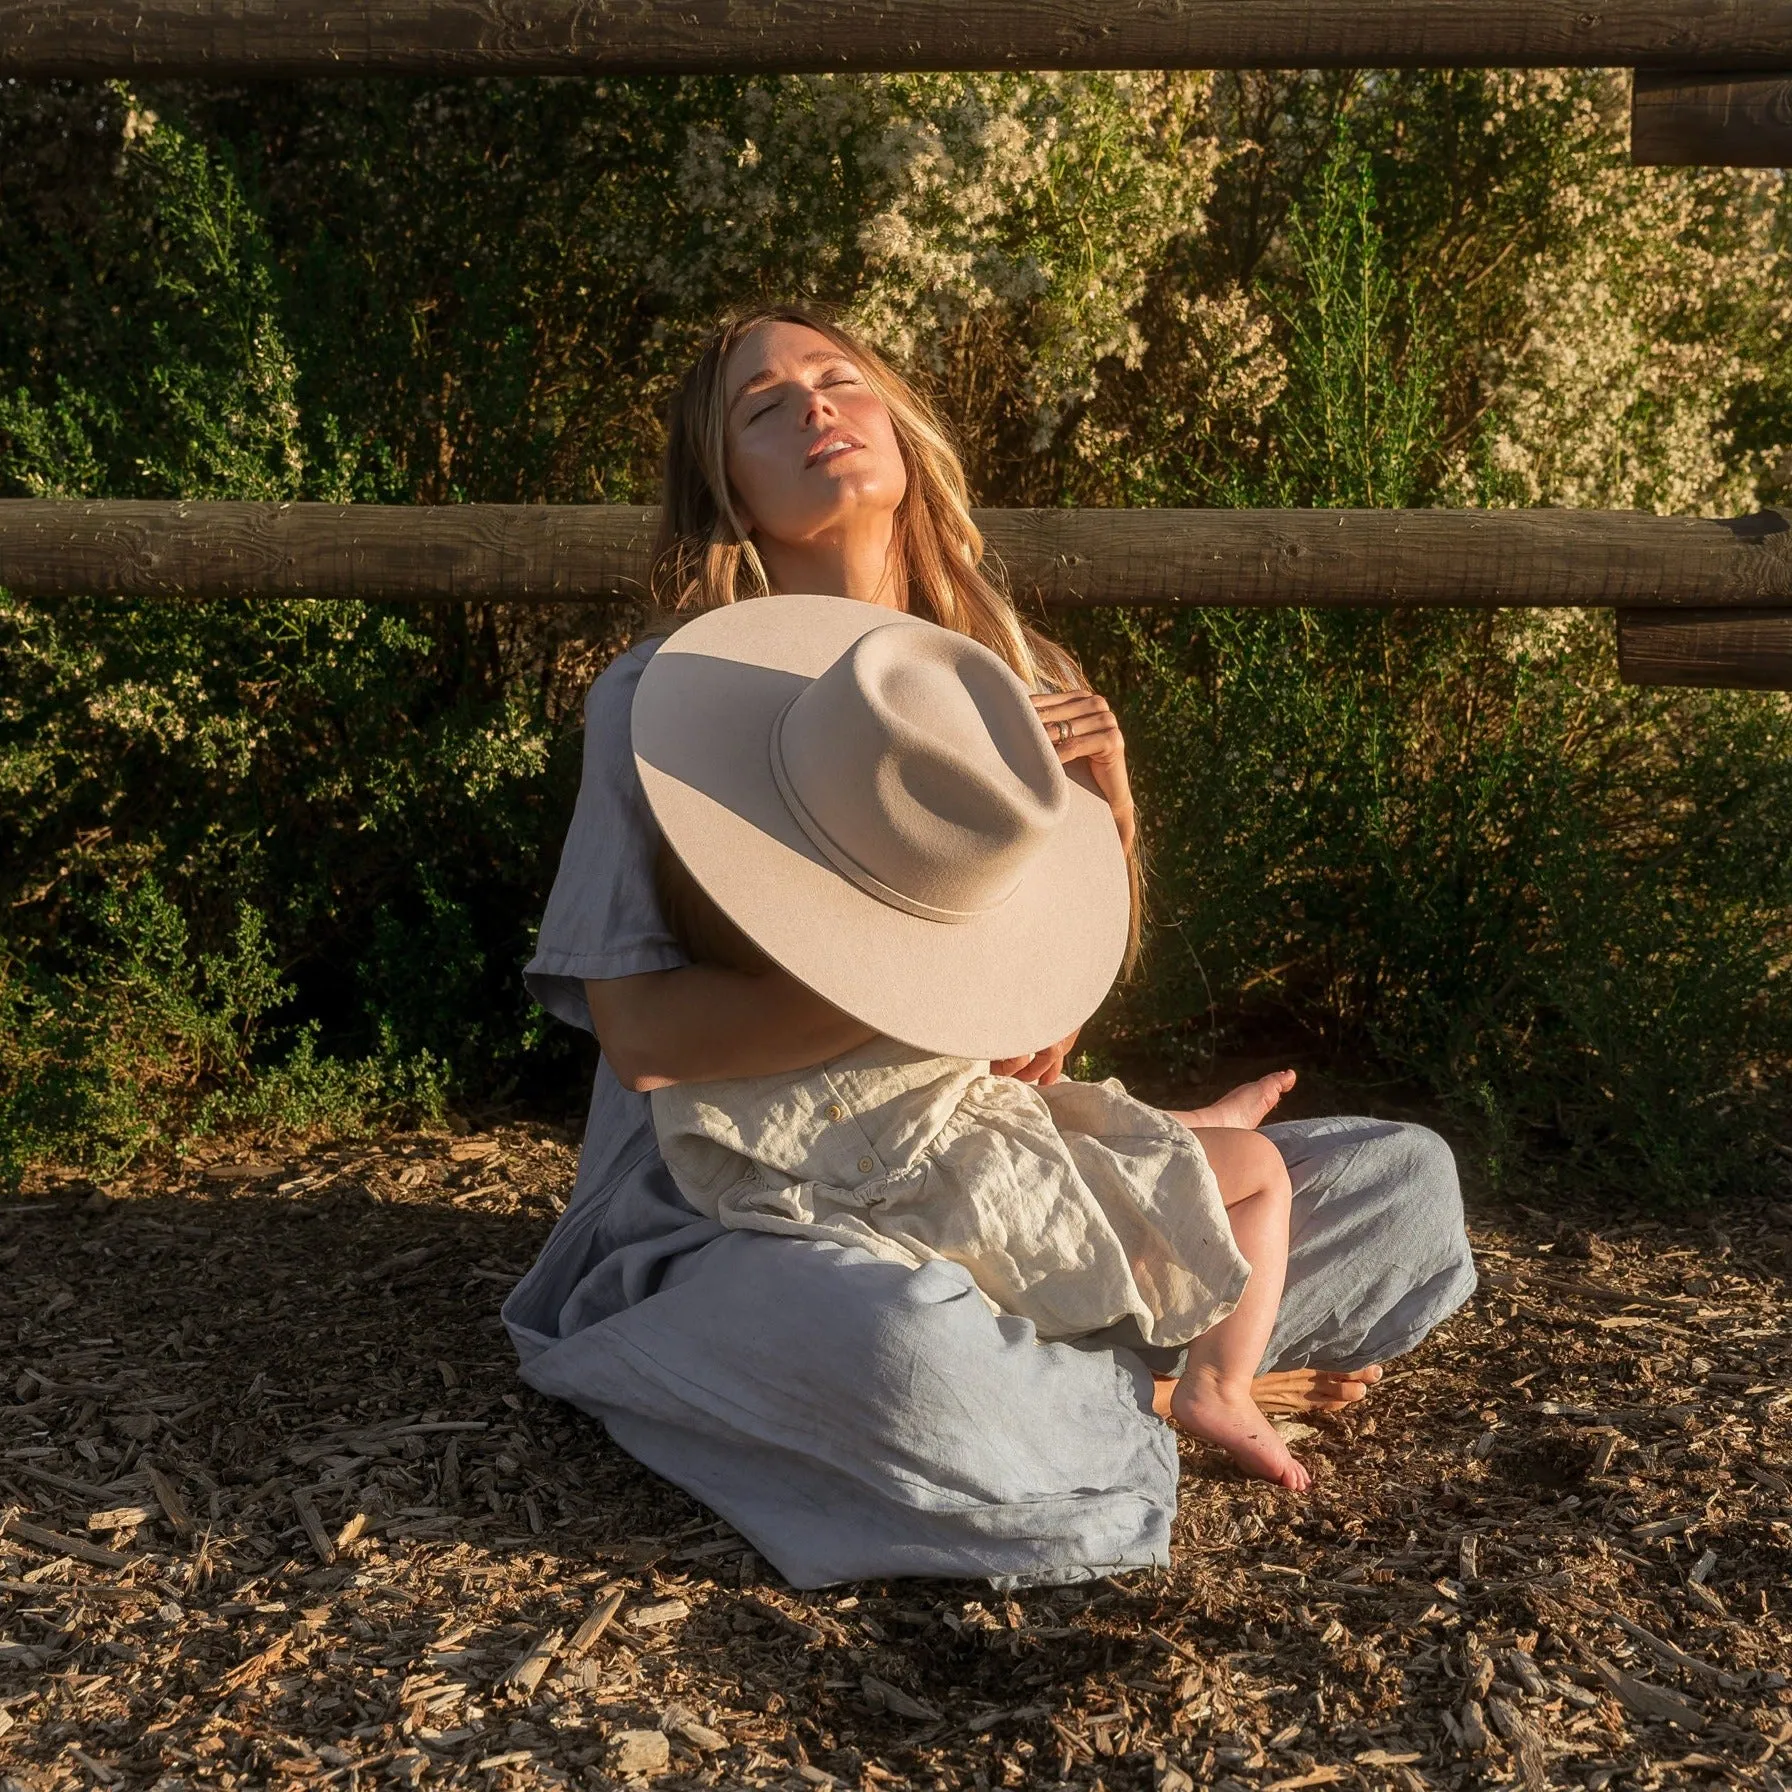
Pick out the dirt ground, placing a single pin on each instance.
(277, 1512)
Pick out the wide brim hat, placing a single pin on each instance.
(884, 816)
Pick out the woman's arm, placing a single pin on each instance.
(701, 1023)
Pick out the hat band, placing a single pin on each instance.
(843, 861)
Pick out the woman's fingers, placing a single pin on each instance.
(1025, 1070)
(1068, 714)
(1043, 1066)
(1080, 725)
(1039, 1068)
(1090, 737)
(1068, 701)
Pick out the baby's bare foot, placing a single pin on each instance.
(1224, 1414)
(1247, 1106)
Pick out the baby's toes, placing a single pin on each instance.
(1271, 1088)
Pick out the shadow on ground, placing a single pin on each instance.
(278, 1511)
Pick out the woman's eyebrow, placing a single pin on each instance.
(765, 377)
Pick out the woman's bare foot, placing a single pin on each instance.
(1289, 1390)
(1245, 1107)
(1314, 1390)
(1224, 1415)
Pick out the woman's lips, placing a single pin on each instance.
(829, 447)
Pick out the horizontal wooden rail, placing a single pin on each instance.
(501, 553)
(1730, 649)
(544, 553)
(233, 38)
(1720, 121)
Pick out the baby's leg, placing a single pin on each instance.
(1278, 1390)
(1213, 1397)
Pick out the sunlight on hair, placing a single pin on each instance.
(703, 557)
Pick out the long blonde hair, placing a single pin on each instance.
(703, 557)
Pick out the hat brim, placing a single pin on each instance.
(1004, 984)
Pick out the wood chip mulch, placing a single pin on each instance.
(276, 1512)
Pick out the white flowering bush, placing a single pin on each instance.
(981, 228)
(1616, 393)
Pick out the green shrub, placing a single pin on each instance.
(285, 814)
(140, 1045)
(1453, 845)
(279, 865)
(1458, 850)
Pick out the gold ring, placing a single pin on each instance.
(1063, 732)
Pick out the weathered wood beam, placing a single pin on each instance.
(506, 553)
(542, 553)
(1684, 119)
(1748, 650)
(233, 38)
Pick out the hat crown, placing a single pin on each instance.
(917, 766)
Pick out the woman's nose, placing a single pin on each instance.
(818, 408)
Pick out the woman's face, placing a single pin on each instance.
(811, 448)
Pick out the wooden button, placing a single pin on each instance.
(836, 1111)
(866, 1166)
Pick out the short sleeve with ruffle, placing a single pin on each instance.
(603, 919)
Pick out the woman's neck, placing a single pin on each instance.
(856, 563)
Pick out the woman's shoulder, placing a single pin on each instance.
(609, 706)
(614, 687)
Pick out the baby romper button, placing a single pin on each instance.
(866, 1166)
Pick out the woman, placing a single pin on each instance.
(852, 1417)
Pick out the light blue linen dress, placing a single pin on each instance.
(854, 1418)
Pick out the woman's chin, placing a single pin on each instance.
(845, 508)
(839, 493)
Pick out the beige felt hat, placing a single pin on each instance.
(873, 801)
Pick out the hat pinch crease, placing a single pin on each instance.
(842, 861)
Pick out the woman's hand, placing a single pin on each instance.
(1045, 1066)
(1081, 726)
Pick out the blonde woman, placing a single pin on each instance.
(854, 1417)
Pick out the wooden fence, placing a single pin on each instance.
(1698, 601)
(1716, 86)
(1735, 121)
(456, 37)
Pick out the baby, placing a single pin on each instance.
(1070, 1204)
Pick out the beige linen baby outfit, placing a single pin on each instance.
(1071, 1205)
